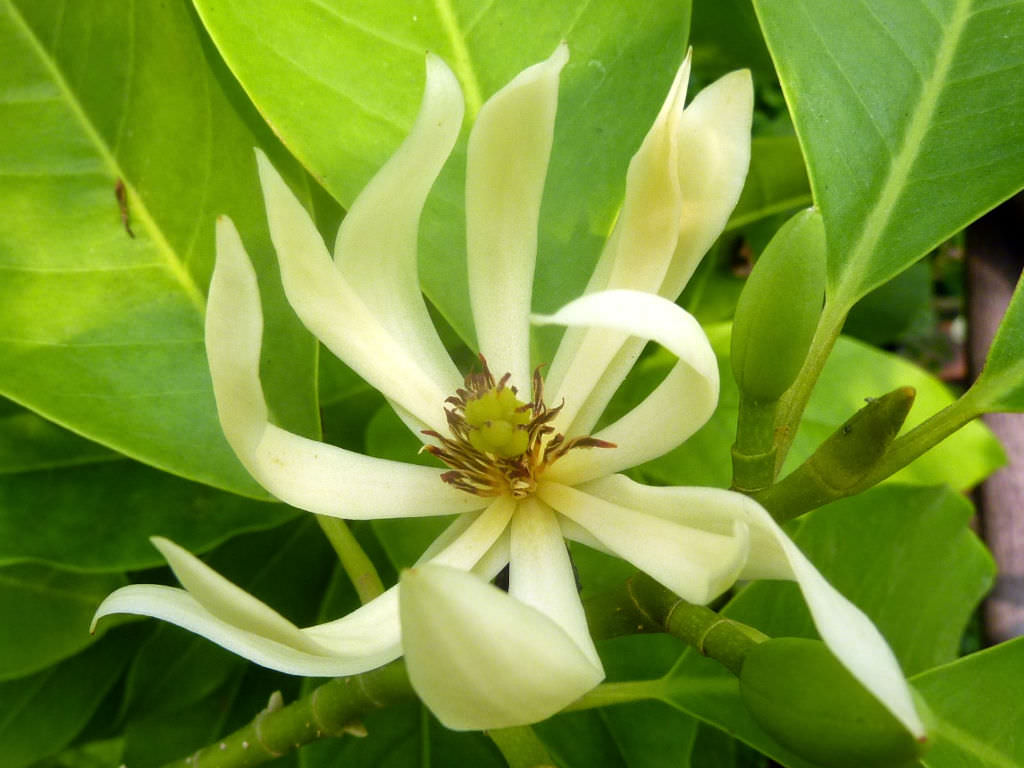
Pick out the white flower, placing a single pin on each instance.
(523, 476)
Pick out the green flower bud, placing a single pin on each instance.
(798, 692)
(778, 310)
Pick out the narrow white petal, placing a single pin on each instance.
(638, 252)
(462, 545)
(843, 626)
(541, 574)
(709, 509)
(229, 602)
(680, 405)
(481, 659)
(714, 155)
(470, 545)
(332, 310)
(371, 629)
(234, 336)
(376, 245)
(328, 480)
(305, 473)
(178, 607)
(506, 165)
(851, 635)
(695, 564)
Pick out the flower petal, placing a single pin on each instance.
(844, 627)
(307, 474)
(709, 509)
(679, 406)
(541, 574)
(332, 310)
(695, 564)
(714, 156)
(850, 634)
(479, 658)
(636, 256)
(506, 165)
(179, 607)
(228, 602)
(328, 480)
(376, 246)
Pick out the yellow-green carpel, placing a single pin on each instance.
(498, 423)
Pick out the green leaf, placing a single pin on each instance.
(99, 517)
(927, 573)
(44, 712)
(854, 372)
(101, 327)
(1000, 387)
(28, 443)
(46, 615)
(341, 85)
(908, 117)
(977, 709)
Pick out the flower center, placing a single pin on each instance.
(500, 444)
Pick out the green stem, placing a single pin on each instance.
(642, 605)
(521, 748)
(753, 454)
(794, 402)
(608, 694)
(333, 709)
(354, 560)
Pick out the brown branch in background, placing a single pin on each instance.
(994, 265)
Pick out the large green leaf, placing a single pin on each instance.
(46, 615)
(99, 517)
(905, 555)
(977, 709)
(44, 712)
(101, 327)
(854, 372)
(341, 84)
(908, 113)
(29, 442)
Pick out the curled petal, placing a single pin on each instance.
(480, 658)
(228, 602)
(365, 649)
(376, 246)
(714, 156)
(506, 164)
(695, 564)
(305, 473)
(679, 406)
(851, 635)
(709, 509)
(332, 310)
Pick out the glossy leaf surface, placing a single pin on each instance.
(907, 114)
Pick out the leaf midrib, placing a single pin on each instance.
(846, 292)
(139, 210)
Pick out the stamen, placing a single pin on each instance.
(500, 444)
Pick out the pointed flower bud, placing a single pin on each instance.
(778, 310)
